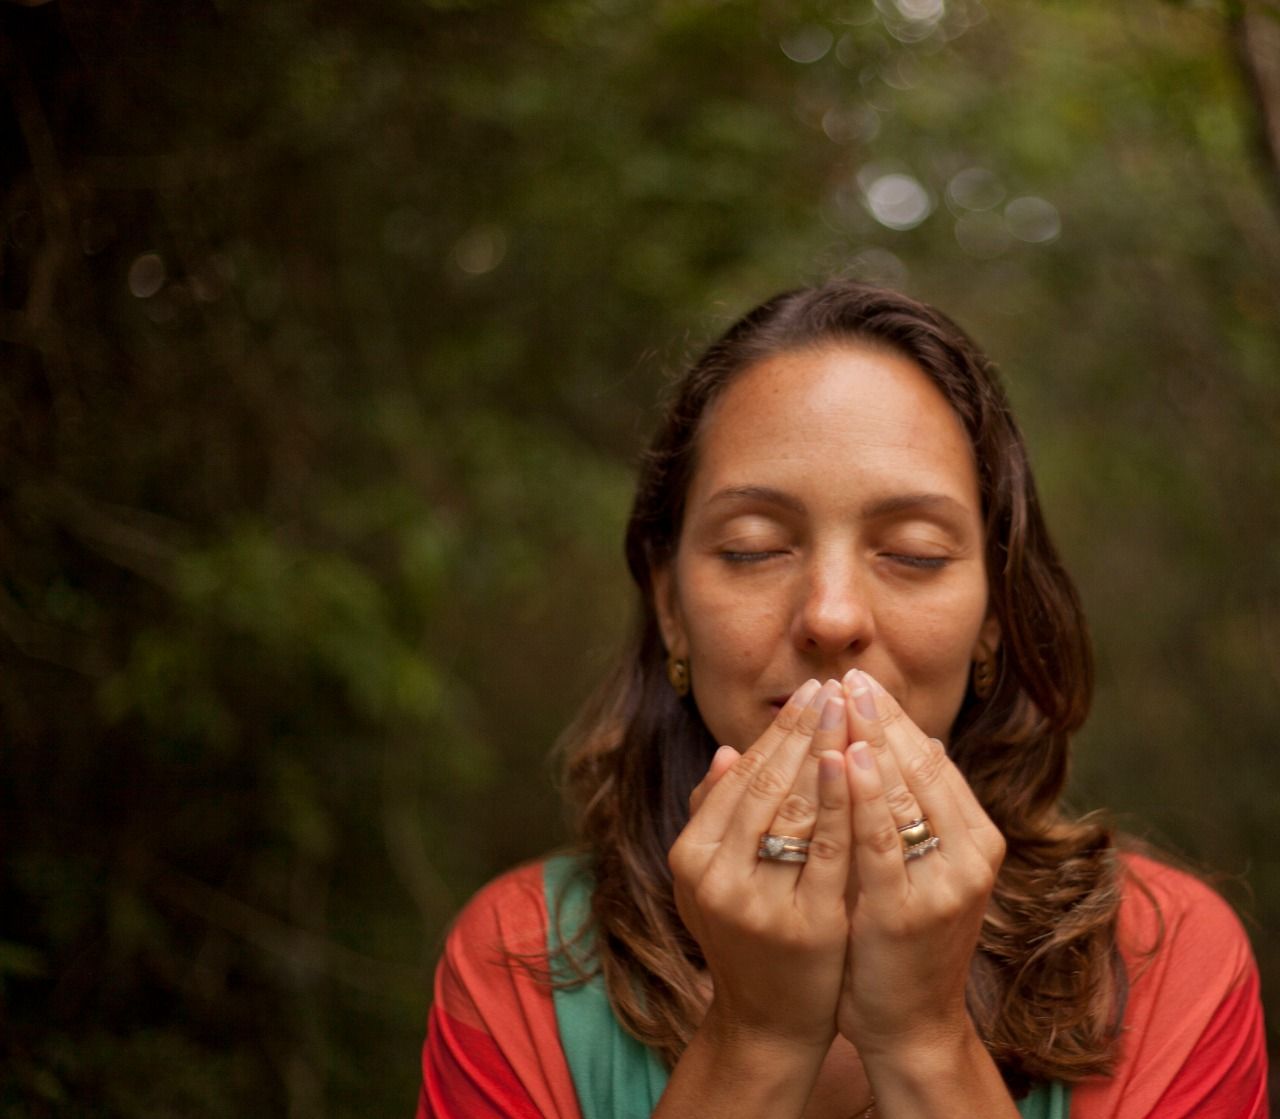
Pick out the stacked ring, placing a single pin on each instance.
(919, 850)
(783, 848)
(917, 838)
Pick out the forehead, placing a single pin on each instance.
(837, 419)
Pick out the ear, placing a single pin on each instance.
(988, 643)
(666, 603)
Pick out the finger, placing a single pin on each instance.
(926, 772)
(797, 814)
(877, 852)
(721, 762)
(721, 802)
(880, 727)
(771, 780)
(825, 874)
(988, 838)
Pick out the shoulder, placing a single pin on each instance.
(1169, 914)
(507, 916)
(493, 1049)
(1191, 1039)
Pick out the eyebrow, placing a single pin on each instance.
(881, 507)
(764, 495)
(913, 502)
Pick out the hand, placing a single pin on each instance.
(913, 924)
(774, 934)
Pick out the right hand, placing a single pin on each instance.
(774, 934)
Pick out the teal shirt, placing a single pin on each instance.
(615, 1076)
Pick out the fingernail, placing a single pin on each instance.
(875, 684)
(865, 702)
(861, 755)
(850, 680)
(719, 756)
(829, 689)
(832, 714)
(805, 692)
(829, 765)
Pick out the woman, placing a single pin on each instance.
(870, 901)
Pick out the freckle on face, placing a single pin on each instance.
(832, 521)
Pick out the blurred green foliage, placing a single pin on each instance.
(328, 333)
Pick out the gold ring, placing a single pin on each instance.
(915, 833)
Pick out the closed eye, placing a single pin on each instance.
(748, 557)
(923, 563)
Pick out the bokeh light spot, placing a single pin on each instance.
(898, 201)
(807, 43)
(480, 250)
(146, 275)
(921, 11)
(974, 188)
(1033, 219)
(851, 124)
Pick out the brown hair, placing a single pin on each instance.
(1046, 986)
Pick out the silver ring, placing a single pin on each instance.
(919, 850)
(783, 848)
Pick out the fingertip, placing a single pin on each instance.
(832, 714)
(830, 766)
(804, 693)
(873, 683)
(860, 754)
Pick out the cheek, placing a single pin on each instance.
(728, 630)
(933, 646)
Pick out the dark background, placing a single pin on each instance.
(328, 334)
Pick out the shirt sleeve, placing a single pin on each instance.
(1192, 1041)
(493, 1050)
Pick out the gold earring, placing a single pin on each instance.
(984, 676)
(678, 675)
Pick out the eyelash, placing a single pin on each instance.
(923, 563)
(920, 563)
(744, 558)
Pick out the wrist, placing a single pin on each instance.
(739, 1039)
(733, 1069)
(944, 1073)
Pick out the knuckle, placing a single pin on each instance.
(883, 840)
(948, 905)
(747, 766)
(826, 849)
(900, 801)
(807, 722)
(831, 800)
(678, 862)
(928, 765)
(797, 809)
(890, 714)
(708, 895)
(995, 848)
(984, 879)
(768, 783)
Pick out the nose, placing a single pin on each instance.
(834, 616)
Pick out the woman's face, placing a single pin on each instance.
(833, 521)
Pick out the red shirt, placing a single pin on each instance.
(1192, 1043)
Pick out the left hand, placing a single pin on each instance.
(914, 924)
